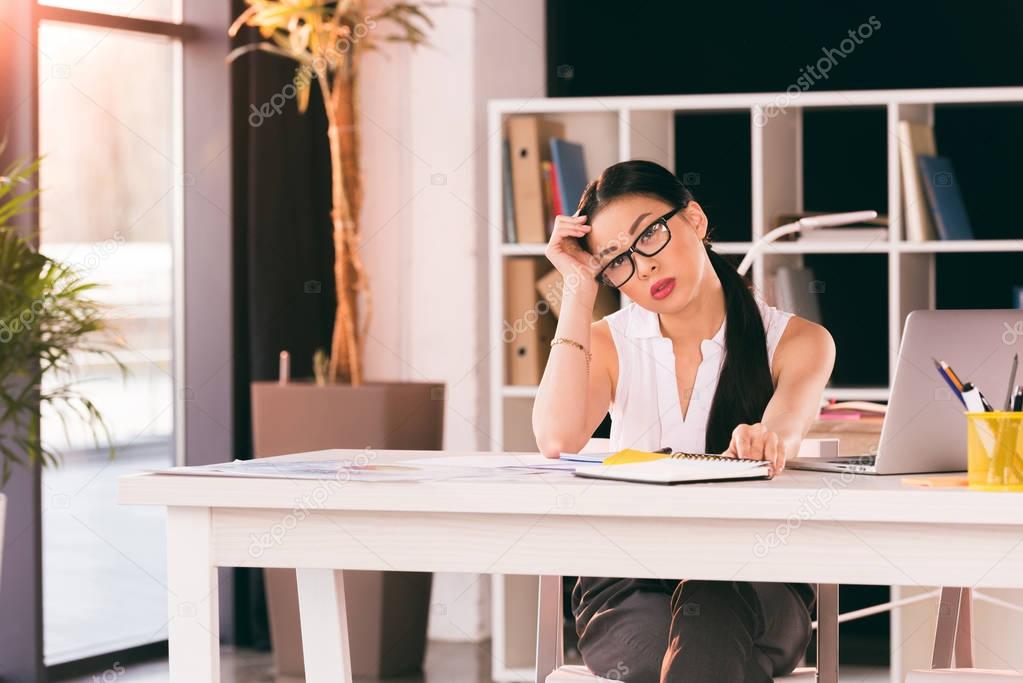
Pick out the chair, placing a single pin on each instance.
(550, 647)
(952, 657)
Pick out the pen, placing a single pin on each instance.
(1012, 381)
(1017, 399)
(666, 449)
(951, 373)
(956, 390)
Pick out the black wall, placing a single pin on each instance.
(661, 47)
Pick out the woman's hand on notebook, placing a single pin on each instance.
(756, 442)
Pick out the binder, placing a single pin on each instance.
(528, 325)
(524, 136)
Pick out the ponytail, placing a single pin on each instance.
(745, 385)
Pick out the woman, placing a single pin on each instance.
(696, 363)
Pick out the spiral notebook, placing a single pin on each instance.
(678, 468)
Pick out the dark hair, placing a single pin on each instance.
(745, 385)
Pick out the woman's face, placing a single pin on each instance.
(670, 279)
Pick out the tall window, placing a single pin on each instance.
(110, 113)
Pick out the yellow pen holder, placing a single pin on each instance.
(994, 451)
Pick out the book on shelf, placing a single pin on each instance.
(551, 286)
(915, 138)
(528, 327)
(873, 230)
(546, 177)
(570, 178)
(556, 206)
(944, 198)
(527, 155)
(530, 190)
(853, 410)
(507, 194)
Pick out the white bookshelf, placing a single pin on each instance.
(614, 129)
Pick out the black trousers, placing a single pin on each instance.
(667, 631)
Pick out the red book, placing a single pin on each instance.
(555, 195)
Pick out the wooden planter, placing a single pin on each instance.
(388, 611)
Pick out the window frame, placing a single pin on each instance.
(202, 363)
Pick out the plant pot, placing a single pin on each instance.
(387, 611)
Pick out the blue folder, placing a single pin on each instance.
(570, 167)
(942, 190)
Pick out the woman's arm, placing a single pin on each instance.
(802, 366)
(569, 403)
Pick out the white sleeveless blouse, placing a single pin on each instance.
(646, 413)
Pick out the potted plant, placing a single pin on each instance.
(47, 320)
(326, 40)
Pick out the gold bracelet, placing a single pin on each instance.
(572, 342)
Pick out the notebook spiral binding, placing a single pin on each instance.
(680, 455)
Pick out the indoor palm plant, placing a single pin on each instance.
(326, 40)
(46, 319)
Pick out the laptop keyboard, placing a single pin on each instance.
(854, 459)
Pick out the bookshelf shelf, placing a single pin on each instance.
(961, 246)
(898, 276)
(809, 247)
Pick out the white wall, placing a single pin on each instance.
(425, 227)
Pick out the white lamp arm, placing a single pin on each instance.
(807, 223)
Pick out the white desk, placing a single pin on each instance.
(801, 526)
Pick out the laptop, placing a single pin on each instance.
(924, 429)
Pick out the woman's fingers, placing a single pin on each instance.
(773, 452)
(741, 441)
(756, 442)
(758, 439)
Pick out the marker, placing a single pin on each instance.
(973, 399)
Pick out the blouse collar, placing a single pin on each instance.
(643, 323)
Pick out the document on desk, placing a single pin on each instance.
(326, 469)
(496, 461)
(416, 469)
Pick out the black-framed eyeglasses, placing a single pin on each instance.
(650, 241)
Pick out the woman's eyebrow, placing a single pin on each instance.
(635, 224)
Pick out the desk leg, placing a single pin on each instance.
(321, 604)
(193, 612)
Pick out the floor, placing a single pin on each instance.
(445, 663)
(104, 566)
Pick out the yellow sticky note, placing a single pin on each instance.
(937, 482)
(630, 455)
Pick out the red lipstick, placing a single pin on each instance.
(662, 287)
